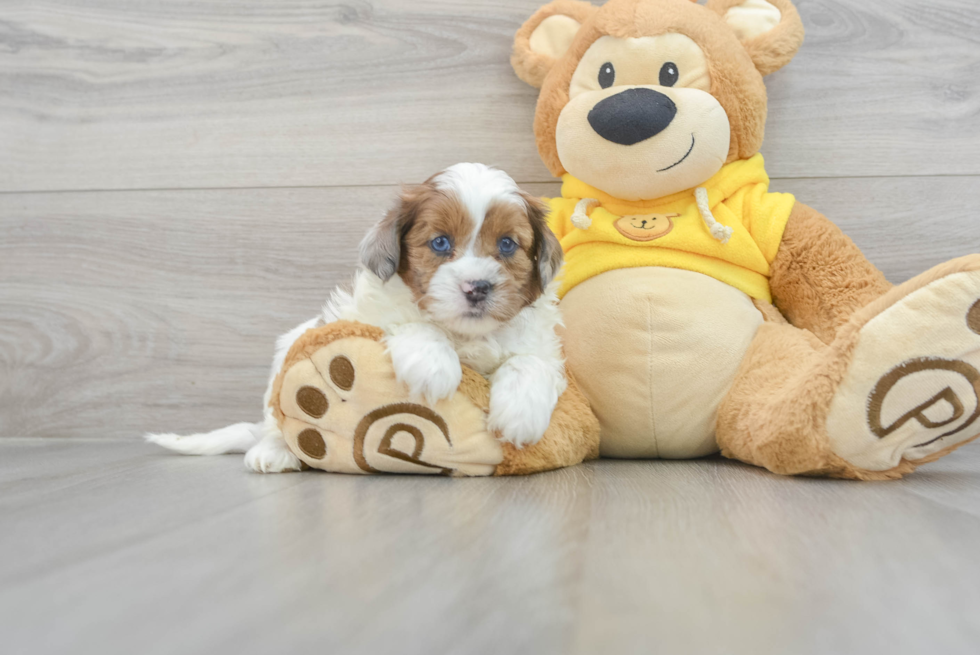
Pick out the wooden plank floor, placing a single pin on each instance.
(112, 547)
(182, 181)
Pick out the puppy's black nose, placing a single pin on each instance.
(477, 291)
(632, 116)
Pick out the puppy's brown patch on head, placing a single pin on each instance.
(439, 214)
(520, 286)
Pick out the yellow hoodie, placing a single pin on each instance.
(673, 232)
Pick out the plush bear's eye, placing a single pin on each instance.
(607, 75)
(669, 74)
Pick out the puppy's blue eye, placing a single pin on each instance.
(441, 245)
(507, 246)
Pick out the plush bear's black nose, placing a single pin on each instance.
(632, 116)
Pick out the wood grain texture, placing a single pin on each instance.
(113, 547)
(174, 94)
(128, 312)
(145, 308)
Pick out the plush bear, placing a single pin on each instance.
(704, 312)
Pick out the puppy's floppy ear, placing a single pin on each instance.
(548, 256)
(770, 30)
(546, 36)
(381, 248)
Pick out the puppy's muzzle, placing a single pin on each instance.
(632, 116)
(477, 291)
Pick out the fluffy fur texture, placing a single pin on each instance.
(806, 279)
(433, 321)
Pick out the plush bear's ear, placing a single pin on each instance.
(545, 37)
(770, 30)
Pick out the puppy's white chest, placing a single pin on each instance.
(482, 355)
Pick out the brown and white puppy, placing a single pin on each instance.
(473, 248)
(460, 271)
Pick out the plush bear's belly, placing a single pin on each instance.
(655, 350)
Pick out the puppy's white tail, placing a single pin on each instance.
(235, 438)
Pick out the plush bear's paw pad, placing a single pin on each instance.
(913, 385)
(343, 410)
(311, 443)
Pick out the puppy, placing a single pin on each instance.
(460, 271)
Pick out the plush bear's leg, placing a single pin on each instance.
(898, 386)
(819, 278)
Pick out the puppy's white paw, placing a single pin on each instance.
(425, 363)
(522, 398)
(271, 456)
(517, 421)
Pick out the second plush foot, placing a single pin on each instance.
(911, 389)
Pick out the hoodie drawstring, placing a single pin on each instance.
(580, 218)
(721, 232)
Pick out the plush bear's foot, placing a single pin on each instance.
(911, 389)
(340, 408)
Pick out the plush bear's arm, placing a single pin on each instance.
(819, 277)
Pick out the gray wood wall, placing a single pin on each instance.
(182, 180)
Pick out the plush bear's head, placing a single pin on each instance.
(644, 98)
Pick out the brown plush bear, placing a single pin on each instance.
(703, 312)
